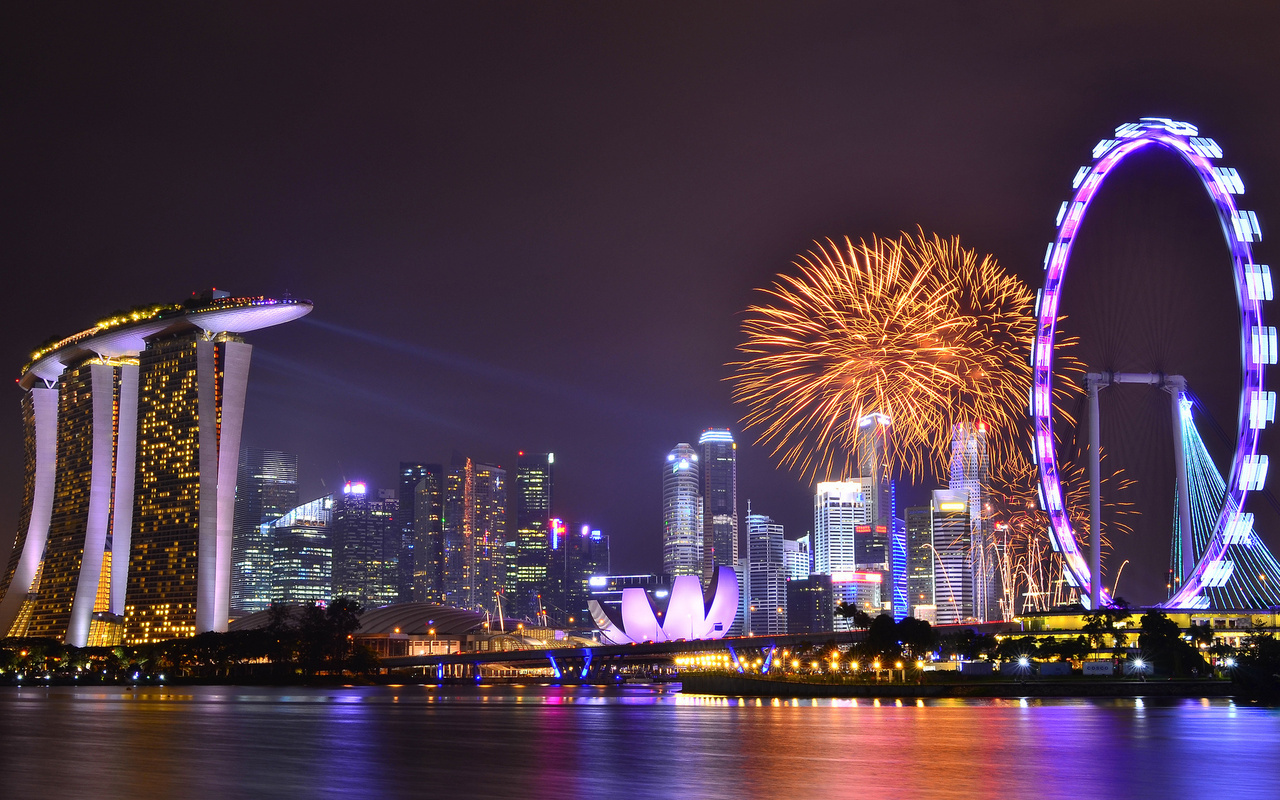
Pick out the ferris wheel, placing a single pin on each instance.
(1232, 526)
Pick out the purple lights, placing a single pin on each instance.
(1239, 228)
(688, 612)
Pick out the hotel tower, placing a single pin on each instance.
(132, 437)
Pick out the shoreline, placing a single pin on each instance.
(739, 686)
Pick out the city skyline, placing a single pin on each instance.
(573, 283)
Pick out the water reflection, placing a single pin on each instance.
(533, 741)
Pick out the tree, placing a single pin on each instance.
(917, 635)
(1076, 649)
(1202, 633)
(1011, 649)
(967, 644)
(1105, 621)
(861, 619)
(882, 639)
(1162, 643)
(1257, 667)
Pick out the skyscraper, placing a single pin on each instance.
(132, 442)
(366, 545)
(586, 556)
(953, 569)
(810, 605)
(768, 582)
(920, 560)
(840, 514)
(428, 534)
(458, 524)
(719, 471)
(795, 556)
(681, 513)
(971, 474)
(302, 553)
(474, 528)
(534, 483)
(266, 489)
(412, 567)
(490, 534)
(873, 547)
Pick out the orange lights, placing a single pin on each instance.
(915, 328)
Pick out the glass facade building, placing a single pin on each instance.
(920, 559)
(971, 474)
(840, 513)
(681, 513)
(767, 584)
(302, 553)
(366, 545)
(534, 494)
(718, 468)
(953, 567)
(809, 605)
(427, 499)
(412, 573)
(474, 530)
(266, 489)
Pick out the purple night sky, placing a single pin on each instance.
(535, 226)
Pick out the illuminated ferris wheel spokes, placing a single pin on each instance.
(1259, 343)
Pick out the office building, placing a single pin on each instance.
(428, 531)
(586, 554)
(681, 513)
(971, 473)
(767, 584)
(897, 589)
(490, 535)
(920, 558)
(266, 489)
(535, 481)
(840, 510)
(796, 558)
(718, 468)
(952, 566)
(873, 545)
(412, 568)
(302, 554)
(132, 437)
(473, 531)
(861, 590)
(809, 605)
(366, 545)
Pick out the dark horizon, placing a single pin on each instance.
(535, 227)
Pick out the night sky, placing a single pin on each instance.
(535, 225)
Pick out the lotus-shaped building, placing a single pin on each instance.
(686, 613)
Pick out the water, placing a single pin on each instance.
(633, 742)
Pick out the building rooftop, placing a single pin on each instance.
(125, 334)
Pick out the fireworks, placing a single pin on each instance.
(917, 327)
(1029, 569)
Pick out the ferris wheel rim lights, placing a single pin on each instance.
(1258, 343)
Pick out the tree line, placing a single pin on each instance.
(307, 642)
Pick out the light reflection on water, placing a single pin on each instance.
(632, 742)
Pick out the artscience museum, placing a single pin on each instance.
(686, 612)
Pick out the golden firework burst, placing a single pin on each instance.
(917, 327)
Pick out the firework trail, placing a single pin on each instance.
(917, 327)
(1030, 571)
